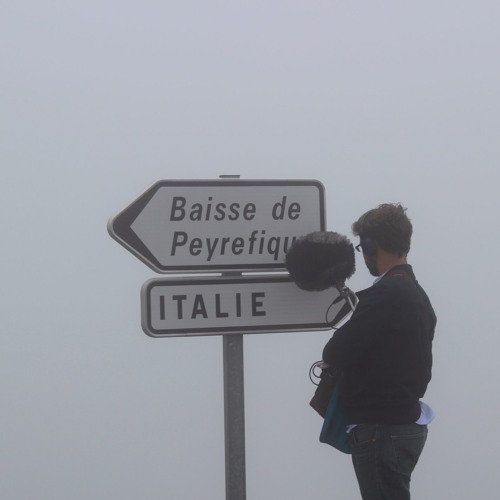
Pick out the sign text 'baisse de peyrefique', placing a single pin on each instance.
(219, 225)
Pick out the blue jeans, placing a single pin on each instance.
(384, 457)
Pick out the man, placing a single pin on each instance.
(384, 357)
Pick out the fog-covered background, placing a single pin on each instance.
(380, 101)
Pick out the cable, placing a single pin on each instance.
(321, 365)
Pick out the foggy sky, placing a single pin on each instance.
(380, 101)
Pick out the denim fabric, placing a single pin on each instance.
(384, 457)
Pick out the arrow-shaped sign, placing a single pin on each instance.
(219, 225)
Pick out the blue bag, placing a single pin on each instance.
(334, 430)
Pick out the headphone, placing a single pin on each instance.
(368, 245)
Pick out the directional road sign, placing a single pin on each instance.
(179, 226)
(244, 304)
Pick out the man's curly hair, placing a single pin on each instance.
(388, 225)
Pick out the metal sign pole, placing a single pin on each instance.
(234, 416)
(234, 410)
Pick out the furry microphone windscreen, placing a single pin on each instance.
(320, 260)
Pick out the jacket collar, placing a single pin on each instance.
(399, 269)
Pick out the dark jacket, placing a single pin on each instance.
(384, 352)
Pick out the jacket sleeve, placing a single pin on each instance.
(350, 342)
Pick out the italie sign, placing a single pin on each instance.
(179, 226)
(188, 306)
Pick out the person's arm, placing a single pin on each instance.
(357, 336)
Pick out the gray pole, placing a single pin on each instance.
(234, 410)
(234, 416)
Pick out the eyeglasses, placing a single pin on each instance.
(359, 247)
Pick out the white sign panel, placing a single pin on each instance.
(219, 225)
(243, 304)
